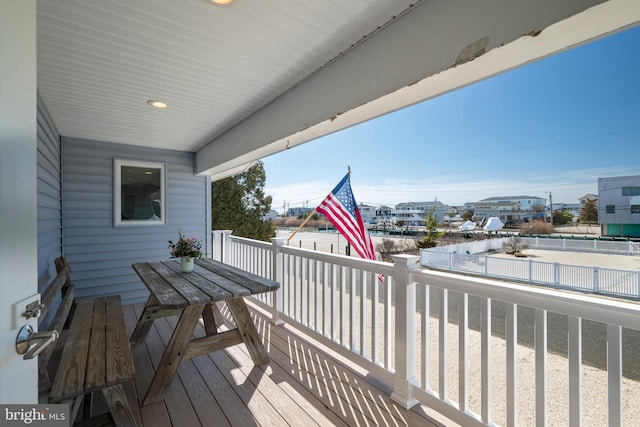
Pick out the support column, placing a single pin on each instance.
(405, 316)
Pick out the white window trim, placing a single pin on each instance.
(117, 188)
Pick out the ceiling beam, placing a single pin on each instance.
(439, 46)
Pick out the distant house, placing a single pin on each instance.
(527, 203)
(508, 212)
(297, 211)
(573, 208)
(530, 207)
(588, 197)
(270, 216)
(368, 213)
(385, 215)
(413, 213)
(619, 206)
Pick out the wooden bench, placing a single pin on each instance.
(96, 355)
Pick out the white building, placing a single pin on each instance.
(368, 213)
(619, 206)
(508, 212)
(413, 213)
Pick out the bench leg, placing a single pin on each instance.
(247, 330)
(74, 407)
(173, 354)
(119, 406)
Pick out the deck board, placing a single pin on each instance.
(301, 385)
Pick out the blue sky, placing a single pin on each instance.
(556, 126)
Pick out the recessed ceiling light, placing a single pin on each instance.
(223, 2)
(158, 104)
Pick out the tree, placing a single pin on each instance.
(238, 203)
(589, 212)
(467, 215)
(562, 217)
(430, 240)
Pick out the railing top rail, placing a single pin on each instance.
(378, 267)
(252, 242)
(600, 309)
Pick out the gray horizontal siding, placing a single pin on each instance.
(49, 198)
(100, 254)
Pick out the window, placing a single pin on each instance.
(631, 191)
(635, 208)
(139, 193)
(611, 209)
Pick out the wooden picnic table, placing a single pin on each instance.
(194, 295)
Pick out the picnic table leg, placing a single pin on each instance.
(247, 330)
(209, 318)
(212, 318)
(216, 314)
(145, 321)
(173, 354)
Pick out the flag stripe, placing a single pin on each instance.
(344, 222)
(340, 208)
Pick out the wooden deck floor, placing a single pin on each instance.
(302, 385)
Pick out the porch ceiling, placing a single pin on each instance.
(99, 62)
(259, 76)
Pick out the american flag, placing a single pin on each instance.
(341, 210)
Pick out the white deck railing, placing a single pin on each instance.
(430, 336)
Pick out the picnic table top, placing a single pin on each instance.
(210, 281)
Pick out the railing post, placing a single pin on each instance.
(486, 265)
(277, 304)
(450, 261)
(530, 270)
(220, 238)
(556, 273)
(405, 339)
(596, 280)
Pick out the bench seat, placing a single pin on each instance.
(96, 356)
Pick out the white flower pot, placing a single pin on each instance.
(186, 264)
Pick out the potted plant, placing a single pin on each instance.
(187, 249)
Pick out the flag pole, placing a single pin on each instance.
(302, 225)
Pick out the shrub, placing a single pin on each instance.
(390, 247)
(539, 227)
(514, 245)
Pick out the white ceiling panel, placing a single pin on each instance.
(99, 61)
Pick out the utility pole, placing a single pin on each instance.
(551, 207)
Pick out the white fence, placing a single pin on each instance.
(583, 245)
(428, 334)
(620, 283)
